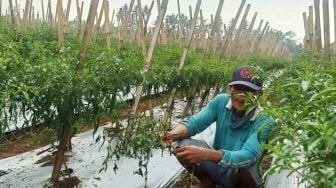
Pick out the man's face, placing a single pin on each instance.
(238, 97)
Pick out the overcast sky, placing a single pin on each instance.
(285, 15)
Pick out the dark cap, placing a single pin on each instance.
(247, 77)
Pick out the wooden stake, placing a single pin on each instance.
(168, 111)
(96, 31)
(180, 24)
(238, 33)
(214, 28)
(249, 30)
(306, 28)
(148, 16)
(18, 16)
(0, 10)
(60, 25)
(125, 24)
(50, 12)
(79, 16)
(311, 28)
(68, 11)
(230, 32)
(25, 15)
(202, 27)
(30, 10)
(148, 61)
(87, 32)
(190, 12)
(247, 43)
(12, 15)
(260, 37)
(326, 29)
(42, 6)
(112, 22)
(141, 34)
(318, 40)
(106, 23)
(211, 20)
(334, 3)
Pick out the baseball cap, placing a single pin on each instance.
(247, 77)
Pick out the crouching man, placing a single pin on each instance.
(231, 160)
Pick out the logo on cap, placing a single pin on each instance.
(245, 73)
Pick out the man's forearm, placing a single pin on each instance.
(179, 132)
(214, 155)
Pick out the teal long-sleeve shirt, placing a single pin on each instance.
(240, 146)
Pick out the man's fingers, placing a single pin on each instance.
(180, 149)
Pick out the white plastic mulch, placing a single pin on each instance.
(86, 161)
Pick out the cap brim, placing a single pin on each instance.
(248, 84)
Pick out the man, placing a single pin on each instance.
(231, 160)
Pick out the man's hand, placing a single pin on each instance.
(195, 155)
(166, 139)
(192, 154)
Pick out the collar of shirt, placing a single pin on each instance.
(256, 112)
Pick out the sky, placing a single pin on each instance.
(284, 15)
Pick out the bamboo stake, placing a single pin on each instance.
(18, 16)
(87, 32)
(260, 37)
(246, 44)
(96, 31)
(65, 133)
(56, 14)
(148, 61)
(79, 17)
(50, 12)
(326, 29)
(141, 36)
(0, 10)
(180, 24)
(318, 40)
(33, 14)
(163, 35)
(112, 22)
(311, 28)
(255, 35)
(148, 16)
(106, 24)
(30, 10)
(68, 11)
(190, 12)
(170, 103)
(230, 32)
(334, 3)
(42, 6)
(249, 30)
(203, 37)
(25, 15)
(211, 20)
(214, 28)
(238, 33)
(47, 14)
(125, 24)
(306, 37)
(60, 25)
(12, 15)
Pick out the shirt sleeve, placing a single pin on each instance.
(200, 121)
(251, 149)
